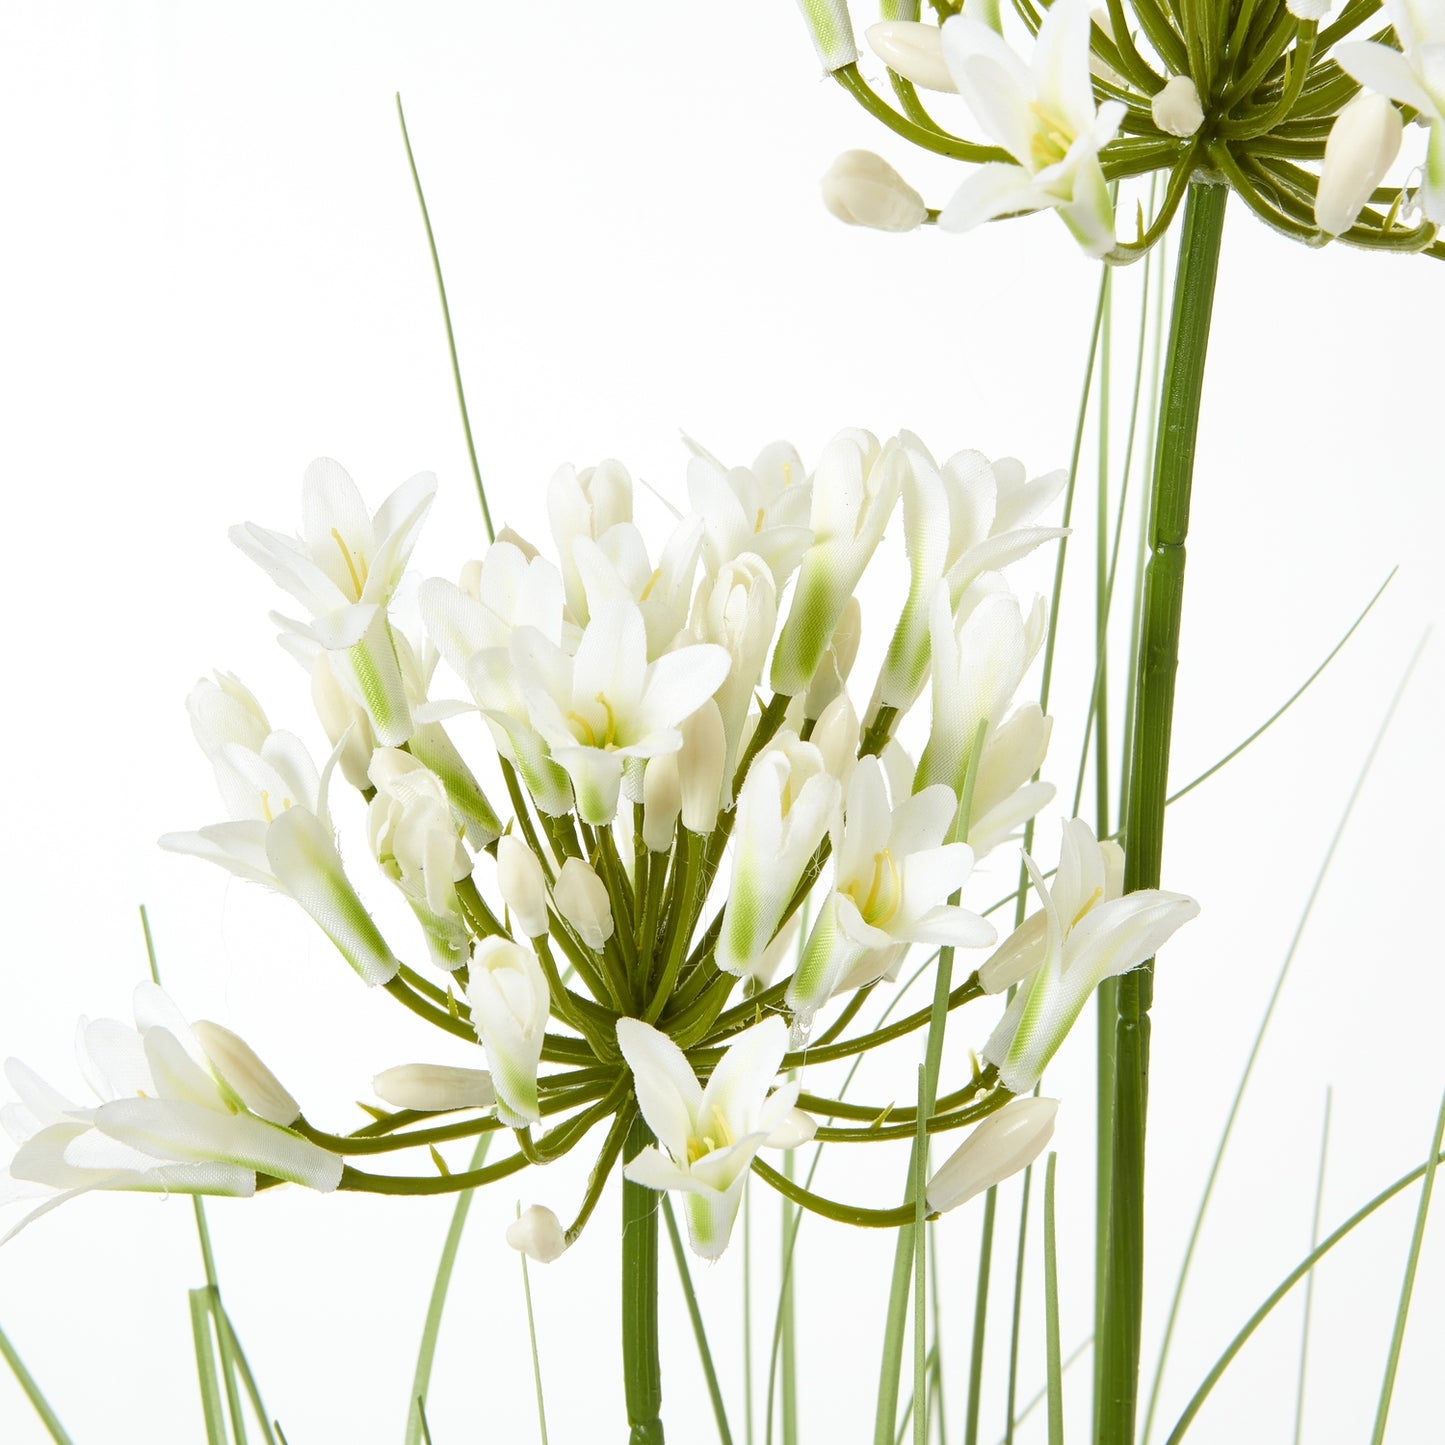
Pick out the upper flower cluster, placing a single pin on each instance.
(1235, 95)
(689, 774)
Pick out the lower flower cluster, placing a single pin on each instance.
(710, 858)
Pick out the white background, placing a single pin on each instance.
(213, 270)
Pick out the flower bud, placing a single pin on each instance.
(1176, 109)
(831, 675)
(435, 1088)
(914, 51)
(1002, 1145)
(1364, 140)
(510, 1007)
(537, 1233)
(342, 716)
(523, 886)
(661, 801)
(862, 189)
(581, 898)
(832, 32)
(835, 735)
(234, 1060)
(701, 767)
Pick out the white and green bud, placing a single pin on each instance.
(661, 801)
(538, 1234)
(1362, 145)
(523, 886)
(581, 898)
(862, 189)
(434, 1088)
(832, 30)
(704, 768)
(238, 1068)
(914, 51)
(344, 718)
(510, 1006)
(1001, 1146)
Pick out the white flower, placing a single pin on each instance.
(417, 843)
(608, 703)
(998, 1148)
(854, 489)
(435, 1088)
(1086, 938)
(178, 1110)
(585, 504)
(616, 568)
(1412, 75)
(1044, 116)
(344, 568)
(862, 189)
(280, 829)
(510, 1005)
(537, 1233)
(1363, 142)
(785, 806)
(892, 875)
(708, 1137)
(1004, 795)
(959, 520)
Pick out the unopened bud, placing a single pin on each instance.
(661, 801)
(864, 190)
(523, 886)
(581, 898)
(1002, 1145)
(434, 1088)
(1364, 140)
(510, 1007)
(1176, 109)
(914, 51)
(537, 1233)
(700, 766)
(832, 32)
(247, 1077)
(835, 735)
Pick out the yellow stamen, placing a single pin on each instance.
(651, 583)
(758, 525)
(266, 806)
(609, 738)
(347, 557)
(700, 1144)
(1088, 903)
(885, 891)
(585, 735)
(1051, 140)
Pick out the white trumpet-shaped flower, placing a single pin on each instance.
(1414, 75)
(280, 829)
(343, 568)
(1086, 938)
(179, 1110)
(708, 1137)
(510, 1006)
(608, 703)
(854, 490)
(785, 807)
(1043, 114)
(418, 844)
(892, 875)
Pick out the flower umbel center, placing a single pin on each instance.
(1051, 139)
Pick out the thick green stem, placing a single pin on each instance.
(641, 1371)
(1148, 787)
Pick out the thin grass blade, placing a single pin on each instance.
(33, 1392)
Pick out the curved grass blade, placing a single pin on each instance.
(1303, 1268)
(33, 1392)
(532, 1341)
(1054, 1367)
(704, 1354)
(1264, 1023)
(211, 1406)
(1407, 1285)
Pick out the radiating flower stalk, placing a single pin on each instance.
(1275, 101)
(689, 773)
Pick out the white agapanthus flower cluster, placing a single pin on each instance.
(712, 840)
(1106, 94)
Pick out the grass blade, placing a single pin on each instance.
(416, 1428)
(1055, 1369)
(33, 1392)
(532, 1340)
(1302, 1269)
(210, 1388)
(1407, 1285)
(1264, 1022)
(694, 1313)
(1018, 1311)
(1304, 1344)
